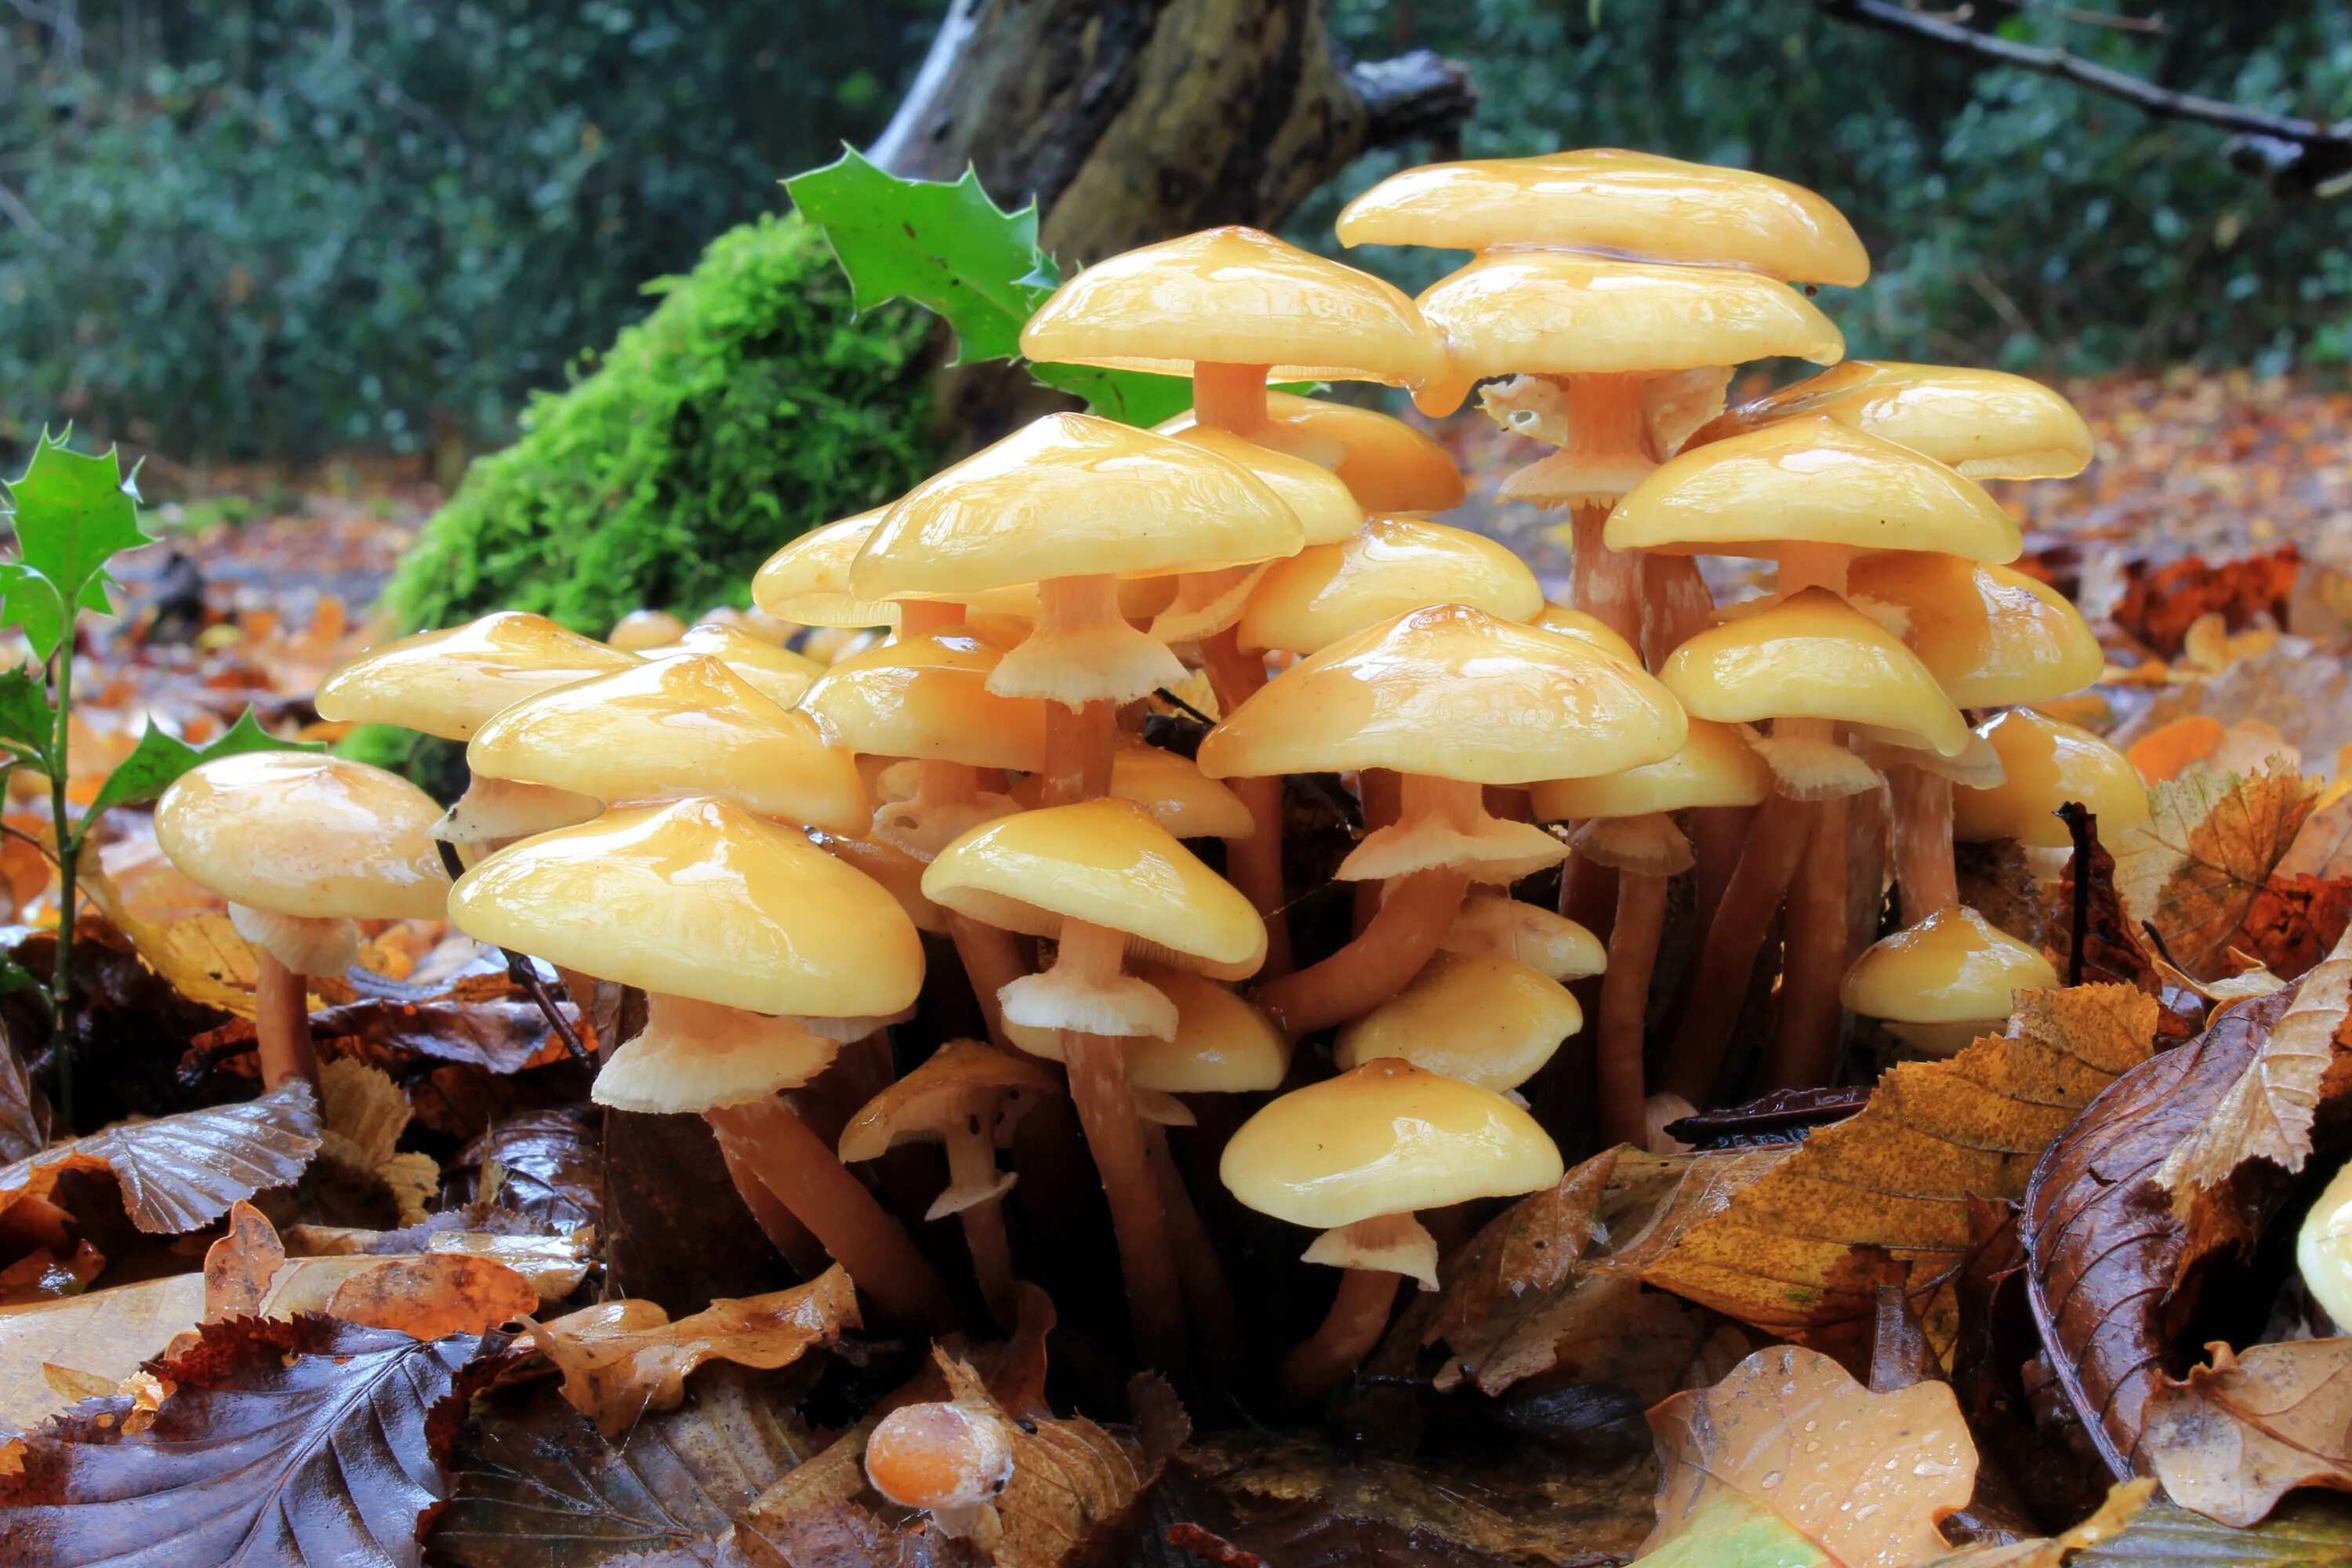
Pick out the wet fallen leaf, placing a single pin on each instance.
(554, 1265)
(240, 1265)
(24, 1110)
(2311, 1530)
(2242, 1432)
(44, 1276)
(2293, 920)
(546, 1165)
(2194, 870)
(365, 1114)
(2160, 604)
(182, 1172)
(435, 1296)
(2124, 1503)
(500, 1032)
(2170, 750)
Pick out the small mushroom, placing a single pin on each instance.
(1392, 564)
(1172, 787)
(1486, 1020)
(776, 672)
(946, 1459)
(2046, 763)
(1987, 424)
(642, 629)
(808, 579)
(1545, 941)
(2323, 1250)
(301, 845)
(1940, 983)
(1388, 465)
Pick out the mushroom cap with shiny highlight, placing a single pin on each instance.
(1107, 863)
(672, 728)
(450, 683)
(1386, 1138)
(702, 899)
(295, 833)
(1810, 481)
(1548, 313)
(641, 630)
(1993, 636)
(1183, 799)
(958, 1082)
(1223, 1045)
(1813, 657)
(1987, 424)
(808, 579)
(1544, 939)
(2048, 763)
(927, 697)
(1716, 767)
(1388, 464)
(776, 672)
(1391, 565)
(938, 1457)
(1327, 509)
(1456, 693)
(897, 873)
(1485, 1019)
(1618, 202)
(1585, 627)
(1233, 296)
(1954, 968)
(1070, 495)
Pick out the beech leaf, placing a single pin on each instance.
(240, 1265)
(2195, 867)
(2123, 1502)
(2311, 1530)
(2243, 1431)
(435, 1296)
(181, 1173)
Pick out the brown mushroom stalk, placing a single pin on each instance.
(1390, 952)
(971, 1168)
(1605, 425)
(1208, 1293)
(1776, 839)
(1924, 867)
(1804, 1044)
(1254, 864)
(1619, 1096)
(786, 1234)
(282, 1023)
(1358, 1315)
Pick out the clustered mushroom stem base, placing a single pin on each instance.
(1207, 1294)
(282, 1023)
(1624, 1005)
(808, 1178)
(971, 1167)
(1253, 864)
(992, 961)
(1804, 1046)
(1923, 868)
(1776, 839)
(786, 1235)
(1377, 964)
(1382, 792)
(1604, 416)
(1078, 746)
(1358, 1315)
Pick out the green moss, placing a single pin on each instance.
(748, 408)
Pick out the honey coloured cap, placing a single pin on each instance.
(1992, 635)
(1391, 565)
(1544, 939)
(1170, 786)
(1327, 509)
(1388, 464)
(961, 1081)
(2046, 763)
(1619, 202)
(1456, 693)
(1222, 1046)
(671, 727)
(808, 579)
(1487, 1020)
(1386, 1138)
(1954, 968)
(1584, 628)
(1987, 424)
(641, 630)
(295, 833)
(1716, 767)
(927, 697)
(777, 673)
(896, 872)
(450, 683)
(1233, 296)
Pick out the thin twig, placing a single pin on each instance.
(2108, 19)
(46, 853)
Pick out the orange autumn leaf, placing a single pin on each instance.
(240, 1265)
(435, 1296)
(2239, 1434)
(2195, 869)
(2293, 920)
(2172, 751)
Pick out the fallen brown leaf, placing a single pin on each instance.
(435, 1296)
(546, 1165)
(2194, 870)
(240, 1265)
(182, 1172)
(42, 1276)
(2242, 1431)
(2160, 604)
(500, 1032)
(2123, 1505)
(24, 1110)
(2293, 920)
(554, 1265)
(2311, 1530)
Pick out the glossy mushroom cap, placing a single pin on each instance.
(450, 683)
(1385, 1138)
(1716, 767)
(1172, 787)
(295, 833)
(1953, 968)
(1070, 495)
(642, 629)
(939, 1457)
(1583, 627)
(897, 873)
(961, 1081)
(2048, 763)
(927, 697)
(1987, 424)
(776, 672)
(1388, 464)
(2323, 1249)
(1222, 1044)
(1811, 482)
(808, 579)
(1327, 509)
(1813, 657)
(1544, 939)
(1107, 863)
(1992, 635)
(1233, 296)
(1391, 565)
(1453, 693)
(672, 728)
(1486, 1020)
(1618, 202)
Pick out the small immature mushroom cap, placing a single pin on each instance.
(642, 629)
(1987, 424)
(1070, 495)
(961, 1081)
(1388, 464)
(1327, 509)
(1813, 657)
(671, 727)
(450, 683)
(778, 673)
(294, 833)
(1486, 1020)
(1386, 1138)
(2047, 764)
(1222, 1046)
(1451, 692)
(2323, 1249)
(1620, 204)
(1233, 296)
(1576, 624)
(1107, 863)
(927, 697)
(1716, 767)
(1170, 786)
(1544, 939)
(1954, 968)
(808, 579)
(1810, 481)
(1993, 636)
(940, 1457)
(1391, 565)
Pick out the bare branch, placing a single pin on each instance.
(2113, 21)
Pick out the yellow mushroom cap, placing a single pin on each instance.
(1987, 424)
(672, 728)
(2323, 1249)
(1992, 635)
(2047, 764)
(1811, 482)
(778, 674)
(1387, 464)
(295, 833)
(1813, 657)
(1576, 624)
(449, 683)
(1107, 863)
(1385, 1138)
(1327, 509)
(1233, 296)
(1072, 496)
(808, 579)
(1954, 968)
(1170, 786)
(697, 899)
(1485, 1019)
(1716, 767)
(1624, 203)
(960, 1081)
(1223, 1045)
(927, 697)
(1544, 939)
(1551, 313)
(1454, 693)
(896, 872)
(642, 629)
(1391, 565)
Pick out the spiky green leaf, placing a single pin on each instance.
(161, 758)
(73, 513)
(28, 725)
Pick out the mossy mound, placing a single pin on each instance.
(750, 406)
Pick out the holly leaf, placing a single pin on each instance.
(73, 514)
(162, 757)
(27, 723)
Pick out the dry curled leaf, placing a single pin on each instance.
(2195, 867)
(24, 1110)
(2310, 1530)
(182, 1172)
(2123, 1502)
(2294, 922)
(2160, 603)
(2240, 1433)
(240, 1265)
(435, 1296)
(501, 1033)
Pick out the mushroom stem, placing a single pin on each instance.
(1358, 1315)
(1675, 604)
(1229, 396)
(1624, 1003)
(992, 961)
(1604, 416)
(282, 1023)
(1804, 1047)
(1378, 964)
(807, 1177)
(1775, 840)
(1253, 864)
(921, 618)
(1923, 868)
(1208, 1295)
(786, 1234)
(1382, 792)
(1078, 746)
(972, 1165)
